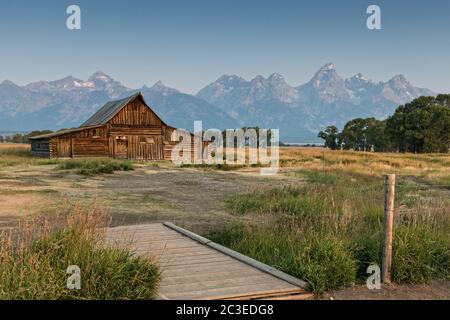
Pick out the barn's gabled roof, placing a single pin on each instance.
(61, 132)
(109, 110)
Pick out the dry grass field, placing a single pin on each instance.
(427, 168)
(319, 219)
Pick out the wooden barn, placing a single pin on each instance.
(123, 129)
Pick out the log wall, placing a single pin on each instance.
(89, 147)
(40, 148)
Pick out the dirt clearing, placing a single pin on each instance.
(191, 197)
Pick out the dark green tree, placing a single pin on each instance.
(353, 135)
(364, 135)
(17, 138)
(376, 137)
(422, 125)
(331, 137)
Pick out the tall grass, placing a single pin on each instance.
(11, 154)
(433, 168)
(20, 154)
(35, 256)
(329, 230)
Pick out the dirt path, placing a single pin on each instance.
(436, 290)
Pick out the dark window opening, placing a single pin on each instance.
(97, 133)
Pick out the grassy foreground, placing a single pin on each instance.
(329, 229)
(34, 259)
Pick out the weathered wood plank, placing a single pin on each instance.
(190, 262)
(218, 274)
(193, 270)
(206, 287)
(210, 293)
(254, 295)
(177, 286)
(206, 268)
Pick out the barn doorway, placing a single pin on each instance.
(121, 148)
(64, 148)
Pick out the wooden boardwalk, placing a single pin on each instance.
(193, 267)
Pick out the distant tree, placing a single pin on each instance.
(330, 136)
(38, 133)
(246, 140)
(443, 100)
(353, 136)
(23, 138)
(376, 135)
(17, 138)
(363, 135)
(35, 133)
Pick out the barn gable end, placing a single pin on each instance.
(136, 113)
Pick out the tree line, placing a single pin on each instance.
(23, 138)
(421, 126)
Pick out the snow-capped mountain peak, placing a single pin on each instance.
(229, 80)
(326, 85)
(399, 80)
(102, 81)
(360, 77)
(328, 66)
(359, 83)
(160, 88)
(276, 77)
(100, 75)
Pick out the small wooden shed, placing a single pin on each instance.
(124, 129)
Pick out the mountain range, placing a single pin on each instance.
(229, 102)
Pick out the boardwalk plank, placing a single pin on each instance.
(193, 270)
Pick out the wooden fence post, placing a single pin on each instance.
(389, 195)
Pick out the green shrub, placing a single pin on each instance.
(47, 162)
(367, 250)
(419, 255)
(229, 236)
(7, 163)
(287, 200)
(327, 264)
(91, 167)
(320, 177)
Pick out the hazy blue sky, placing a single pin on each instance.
(188, 43)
